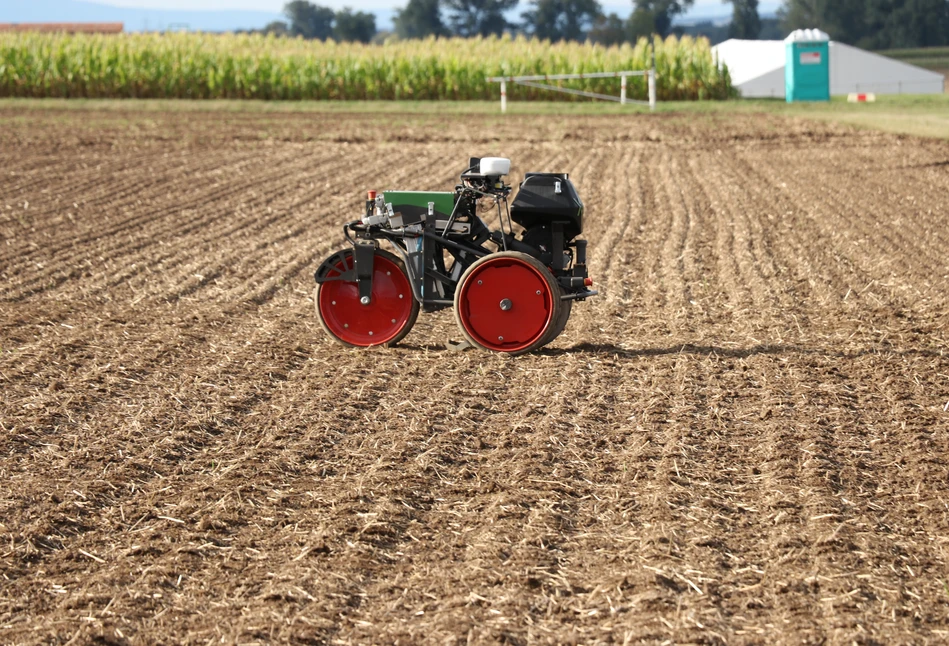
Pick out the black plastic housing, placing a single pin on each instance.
(538, 203)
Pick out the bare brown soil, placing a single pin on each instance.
(744, 440)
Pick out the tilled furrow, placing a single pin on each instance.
(741, 440)
(211, 222)
(125, 190)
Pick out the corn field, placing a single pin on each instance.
(232, 66)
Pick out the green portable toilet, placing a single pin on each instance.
(807, 66)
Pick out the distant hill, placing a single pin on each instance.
(135, 19)
(717, 32)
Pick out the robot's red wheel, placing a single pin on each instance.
(561, 323)
(507, 302)
(387, 318)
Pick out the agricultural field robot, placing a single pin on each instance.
(511, 292)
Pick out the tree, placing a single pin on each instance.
(771, 29)
(655, 16)
(801, 12)
(746, 23)
(844, 20)
(926, 26)
(641, 24)
(707, 29)
(873, 24)
(309, 20)
(315, 22)
(556, 20)
(893, 24)
(608, 30)
(351, 27)
(420, 18)
(479, 17)
(277, 28)
(847, 20)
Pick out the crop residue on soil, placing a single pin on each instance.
(742, 440)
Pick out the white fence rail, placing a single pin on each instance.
(531, 81)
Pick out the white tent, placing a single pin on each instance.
(756, 66)
(757, 70)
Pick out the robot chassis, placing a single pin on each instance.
(513, 298)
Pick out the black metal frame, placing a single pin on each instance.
(423, 247)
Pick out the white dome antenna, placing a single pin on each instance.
(494, 166)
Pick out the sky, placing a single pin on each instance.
(702, 7)
(227, 15)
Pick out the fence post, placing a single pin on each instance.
(622, 91)
(652, 76)
(652, 89)
(503, 96)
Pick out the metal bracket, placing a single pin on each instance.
(331, 264)
(557, 248)
(428, 260)
(580, 296)
(364, 252)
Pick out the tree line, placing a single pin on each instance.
(873, 24)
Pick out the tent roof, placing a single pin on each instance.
(754, 60)
(749, 59)
(855, 62)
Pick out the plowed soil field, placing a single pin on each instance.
(744, 439)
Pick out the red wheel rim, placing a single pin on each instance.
(509, 283)
(378, 322)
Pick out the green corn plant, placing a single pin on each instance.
(230, 66)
